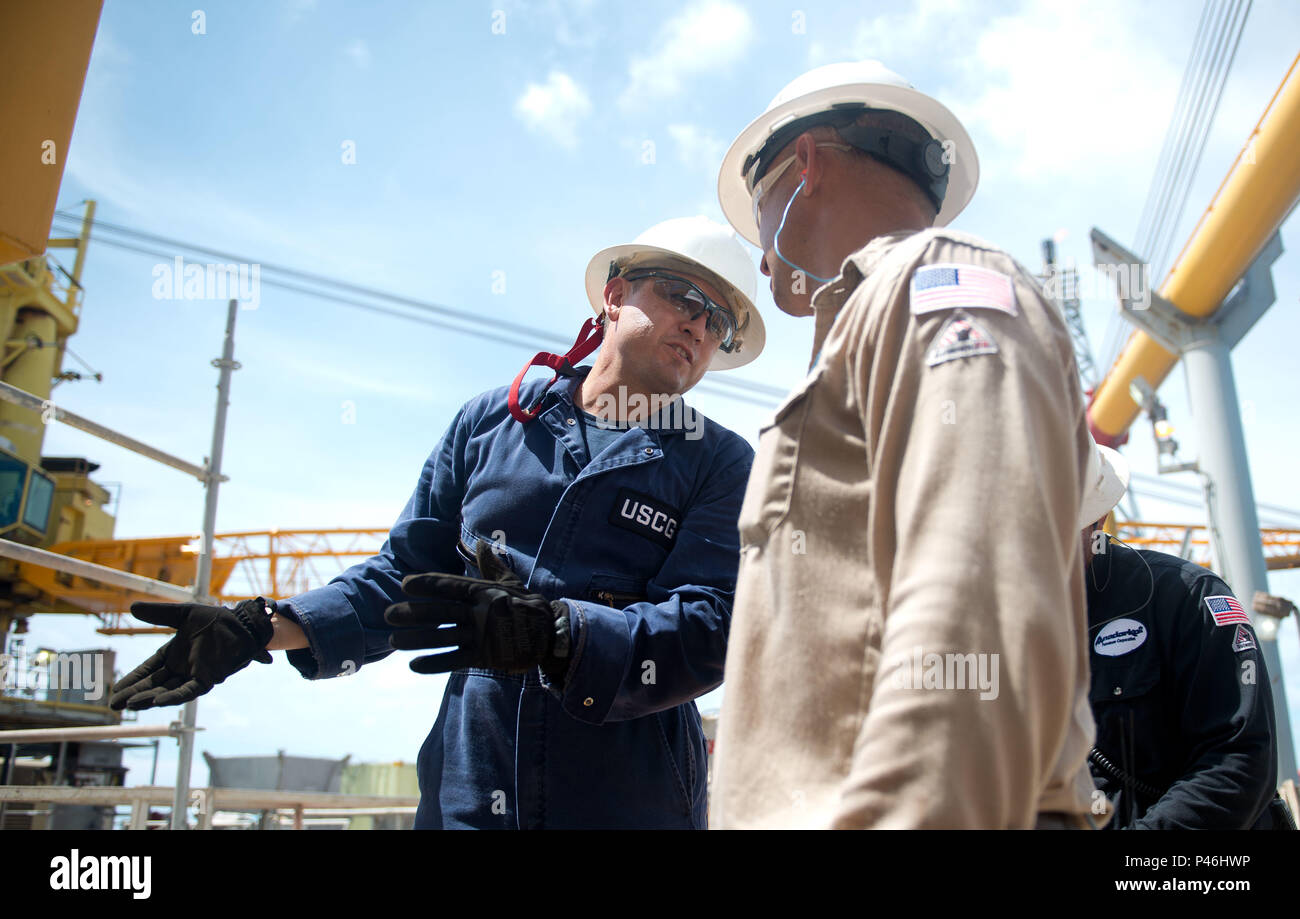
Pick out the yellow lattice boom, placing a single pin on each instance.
(282, 563)
(268, 563)
(1281, 546)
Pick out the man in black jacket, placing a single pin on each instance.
(1185, 731)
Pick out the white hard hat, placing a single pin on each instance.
(846, 86)
(708, 249)
(1104, 483)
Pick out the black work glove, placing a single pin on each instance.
(495, 621)
(211, 643)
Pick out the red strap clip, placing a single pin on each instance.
(589, 337)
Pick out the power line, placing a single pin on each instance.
(423, 320)
(1172, 132)
(1151, 480)
(1195, 149)
(533, 333)
(1198, 101)
(746, 391)
(1269, 515)
(1199, 94)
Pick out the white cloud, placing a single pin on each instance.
(927, 26)
(697, 148)
(295, 10)
(702, 39)
(359, 51)
(1045, 91)
(1053, 91)
(554, 108)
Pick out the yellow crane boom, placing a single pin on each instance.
(1259, 191)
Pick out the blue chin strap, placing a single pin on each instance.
(776, 242)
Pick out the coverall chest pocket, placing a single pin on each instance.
(1126, 705)
(615, 590)
(1120, 680)
(467, 550)
(776, 464)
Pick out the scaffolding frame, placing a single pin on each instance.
(210, 475)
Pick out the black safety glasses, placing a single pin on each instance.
(691, 302)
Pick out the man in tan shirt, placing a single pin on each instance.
(909, 645)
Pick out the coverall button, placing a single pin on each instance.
(589, 701)
(649, 451)
(1119, 690)
(571, 420)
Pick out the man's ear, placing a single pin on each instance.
(615, 291)
(810, 165)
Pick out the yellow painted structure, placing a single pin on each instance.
(1259, 191)
(45, 48)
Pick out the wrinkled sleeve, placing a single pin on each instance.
(670, 649)
(977, 478)
(1226, 719)
(344, 620)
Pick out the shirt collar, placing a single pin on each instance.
(675, 418)
(829, 299)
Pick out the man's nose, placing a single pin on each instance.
(697, 326)
(762, 266)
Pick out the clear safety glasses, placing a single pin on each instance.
(690, 301)
(763, 185)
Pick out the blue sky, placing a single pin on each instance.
(508, 142)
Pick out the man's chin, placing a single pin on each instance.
(795, 305)
(673, 387)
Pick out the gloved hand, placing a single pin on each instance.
(495, 621)
(211, 643)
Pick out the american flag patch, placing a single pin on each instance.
(1226, 611)
(941, 287)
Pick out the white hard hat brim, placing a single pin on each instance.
(755, 335)
(1108, 479)
(935, 117)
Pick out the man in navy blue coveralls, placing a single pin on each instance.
(619, 504)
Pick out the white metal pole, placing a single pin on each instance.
(1221, 449)
(203, 577)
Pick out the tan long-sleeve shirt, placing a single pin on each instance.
(909, 641)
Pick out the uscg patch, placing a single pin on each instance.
(1243, 641)
(646, 516)
(962, 336)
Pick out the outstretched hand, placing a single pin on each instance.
(210, 644)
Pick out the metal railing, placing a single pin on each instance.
(211, 801)
(211, 477)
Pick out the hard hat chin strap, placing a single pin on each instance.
(589, 337)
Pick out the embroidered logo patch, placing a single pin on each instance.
(962, 336)
(1226, 610)
(1243, 641)
(1119, 637)
(941, 287)
(645, 516)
